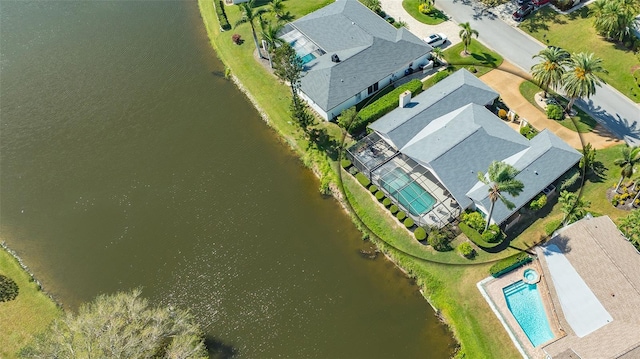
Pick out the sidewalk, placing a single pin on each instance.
(507, 79)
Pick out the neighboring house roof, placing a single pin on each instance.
(457, 90)
(369, 48)
(449, 131)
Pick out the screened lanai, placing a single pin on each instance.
(412, 187)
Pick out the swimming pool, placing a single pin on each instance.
(306, 58)
(408, 193)
(525, 304)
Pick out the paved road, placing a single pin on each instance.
(608, 106)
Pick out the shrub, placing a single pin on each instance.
(345, 163)
(373, 188)
(364, 181)
(222, 17)
(473, 69)
(425, 8)
(528, 131)
(379, 195)
(508, 264)
(466, 250)
(438, 241)
(236, 38)
(382, 106)
(555, 112)
(551, 227)
(441, 75)
(502, 113)
(401, 216)
(8, 289)
(408, 223)
(492, 235)
(420, 234)
(538, 202)
(394, 209)
(353, 171)
(386, 202)
(474, 220)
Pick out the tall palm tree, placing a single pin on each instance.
(500, 178)
(581, 77)
(630, 157)
(548, 72)
(250, 15)
(466, 34)
(269, 34)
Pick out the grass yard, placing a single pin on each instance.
(581, 122)
(480, 58)
(434, 18)
(575, 33)
(28, 314)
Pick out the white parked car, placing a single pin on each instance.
(436, 40)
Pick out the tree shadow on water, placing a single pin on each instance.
(218, 349)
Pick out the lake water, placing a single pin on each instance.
(127, 160)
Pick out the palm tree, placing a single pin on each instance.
(277, 8)
(500, 178)
(269, 34)
(581, 77)
(573, 207)
(615, 19)
(548, 73)
(438, 54)
(466, 34)
(630, 157)
(250, 15)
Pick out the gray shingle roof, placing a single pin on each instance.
(455, 91)
(369, 48)
(458, 145)
(547, 158)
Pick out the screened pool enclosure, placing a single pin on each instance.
(412, 187)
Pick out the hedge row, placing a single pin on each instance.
(222, 16)
(364, 181)
(382, 106)
(508, 264)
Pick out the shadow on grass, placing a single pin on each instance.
(583, 13)
(538, 22)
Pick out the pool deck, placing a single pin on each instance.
(608, 264)
(493, 288)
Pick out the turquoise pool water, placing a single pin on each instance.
(525, 304)
(408, 193)
(306, 58)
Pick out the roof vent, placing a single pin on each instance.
(335, 58)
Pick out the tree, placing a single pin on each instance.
(615, 19)
(437, 53)
(373, 5)
(630, 157)
(277, 8)
(581, 77)
(630, 227)
(8, 289)
(347, 117)
(466, 34)
(123, 325)
(269, 34)
(573, 207)
(249, 15)
(588, 162)
(549, 71)
(288, 66)
(500, 178)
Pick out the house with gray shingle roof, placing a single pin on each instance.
(350, 53)
(447, 135)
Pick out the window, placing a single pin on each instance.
(373, 88)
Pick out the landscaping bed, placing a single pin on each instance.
(435, 17)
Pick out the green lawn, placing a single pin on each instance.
(434, 18)
(480, 58)
(575, 33)
(581, 122)
(28, 314)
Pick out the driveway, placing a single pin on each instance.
(609, 107)
(507, 79)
